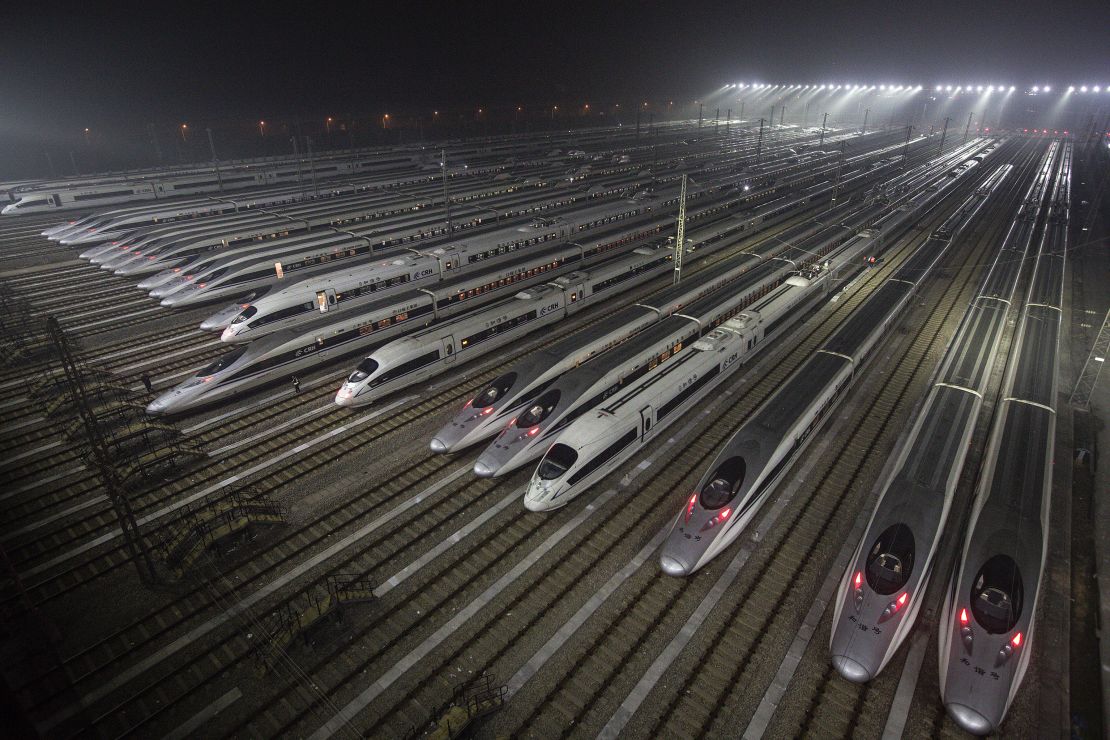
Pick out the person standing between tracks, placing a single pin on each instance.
(147, 384)
(296, 384)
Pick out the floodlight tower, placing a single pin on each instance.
(680, 237)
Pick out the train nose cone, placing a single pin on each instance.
(345, 397)
(157, 407)
(437, 445)
(969, 719)
(850, 669)
(483, 470)
(673, 566)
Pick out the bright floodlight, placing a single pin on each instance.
(1012, 88)
(938, 88)
(1082, 89)
(948, 88)
(1036, 88)
(1096, 88)
(1047, 88)
(979, 88)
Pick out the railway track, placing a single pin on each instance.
(389, 555)
(451, 573)
(48, 545)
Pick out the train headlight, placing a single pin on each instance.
(894, 607)
(966, 636)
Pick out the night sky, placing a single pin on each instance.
(68, 65)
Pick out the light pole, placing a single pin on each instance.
(680, 238)
(184, 131)
(327, 125)
(262, 129)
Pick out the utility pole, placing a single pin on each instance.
(50, 163)
(700, 106)
(215, 160)
(866, 113)
(823, 122)
(101, 457)
(943, 134)
(836, 185)
(312, 167)
(637, 123)
(446, 200)
(967, 128)
(782, 115)
(73, 161)
(759, 143)
(728, 120)
(680, 238)
(717, 120)
(741, 118)
(906, 146)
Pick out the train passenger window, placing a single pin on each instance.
(997, 594)
(890, 560)
(557, 461)
(723, 484)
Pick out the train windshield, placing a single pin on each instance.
(997, 594)
(245, 314)
(557, 461)
(223, 361)
(890, 560)
(495, 390)
(723, 484)
(539, 410)
(364, 370)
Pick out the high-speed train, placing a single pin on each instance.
(487, 413)
(597, 442)
(428, 352)
(91, 193)
(576, 392)
(987, 623)
(479, 247)
(896, 554)
(740, 479)
(489, 410)
(332, 336)
(356, 286)
(105, 226)
(469, 253)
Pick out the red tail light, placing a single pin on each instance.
(963, 616)
(1016, 642)
(859, 579)
(690, 506)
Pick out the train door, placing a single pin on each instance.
(646, 415)
(56, 200)
(448, 349)
(325, 300)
